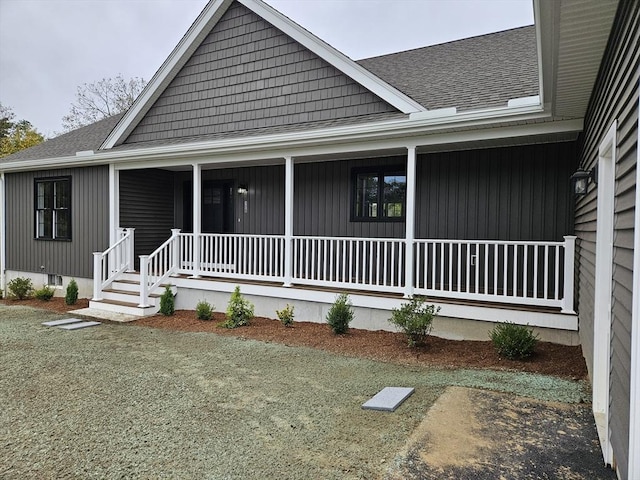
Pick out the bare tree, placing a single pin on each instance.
(102, 99)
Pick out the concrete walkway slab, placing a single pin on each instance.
(105, 315)
(64, 321)
(76, 326)
(388, 399)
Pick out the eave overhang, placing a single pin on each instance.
(456, 127)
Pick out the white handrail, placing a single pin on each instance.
(113, 261)
(156, 267)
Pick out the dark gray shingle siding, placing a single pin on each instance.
(249, 75)
(484, 71)
(82, 139)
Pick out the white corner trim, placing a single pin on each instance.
(167, 71)
(524, 101)
(343, 63)
(633, 470)
(3, 234)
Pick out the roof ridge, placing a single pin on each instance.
(475, 37)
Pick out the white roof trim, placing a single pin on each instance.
(176, 60)
(203, 25)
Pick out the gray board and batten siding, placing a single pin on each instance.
(89, 223)
(615, 97)
(249, 75)
(507, 193)
(146, 203)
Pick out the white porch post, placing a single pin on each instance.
(569, 273)
(410, 220)
(114, 204)
(288, 220)
(130, 249)
(175, 264)
(197, 218)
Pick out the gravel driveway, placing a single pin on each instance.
(121, 401)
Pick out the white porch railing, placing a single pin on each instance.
(158, 266)
(375, 264)
(249, 257)
(113, 261)
(526, 273)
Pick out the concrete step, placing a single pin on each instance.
(127, 308)
(128, 296)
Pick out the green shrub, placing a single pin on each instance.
(513, 341)
(340, 314)
(204, 310)
(167, 302)
(239, 311)
(415, 319)
(71, 296)
(45, 293)
(20, 288)
(286, 315)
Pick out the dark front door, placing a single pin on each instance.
(217, 207)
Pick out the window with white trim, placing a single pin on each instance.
(53, 208)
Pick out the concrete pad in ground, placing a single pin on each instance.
(388, 399)
(64, 321)
(105, 315)
(76, 326)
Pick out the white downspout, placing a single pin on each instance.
(3, 235)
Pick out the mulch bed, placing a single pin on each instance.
(549, 358)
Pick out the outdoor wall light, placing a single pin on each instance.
(242, 190)
(580, 180)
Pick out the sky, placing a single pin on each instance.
(50, 47)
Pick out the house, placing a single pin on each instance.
(259, 155)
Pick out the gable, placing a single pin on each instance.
(248, 75)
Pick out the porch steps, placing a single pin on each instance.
(124, 294)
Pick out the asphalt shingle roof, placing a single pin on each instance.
(81, 139)
(477, 72)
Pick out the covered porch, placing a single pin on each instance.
(477, 227)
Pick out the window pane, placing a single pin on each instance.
(45, 194)
(367, 195)
(62, 196)
(394, 192)
(45, 220)
(62, 223)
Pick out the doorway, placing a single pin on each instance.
(217, 206)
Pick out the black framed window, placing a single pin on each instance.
(379, 194)
(53, 208)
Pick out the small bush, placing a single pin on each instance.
(167, 302)
(286, 315)
(340, 314)
(45, 293)
(415, 319)
(513, 341)
(71, 296)
(20, 288)
(239, 311)
(204, 310)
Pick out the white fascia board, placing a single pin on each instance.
(343, 63)
(546, 14)
(180, 54)
(391, 134)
